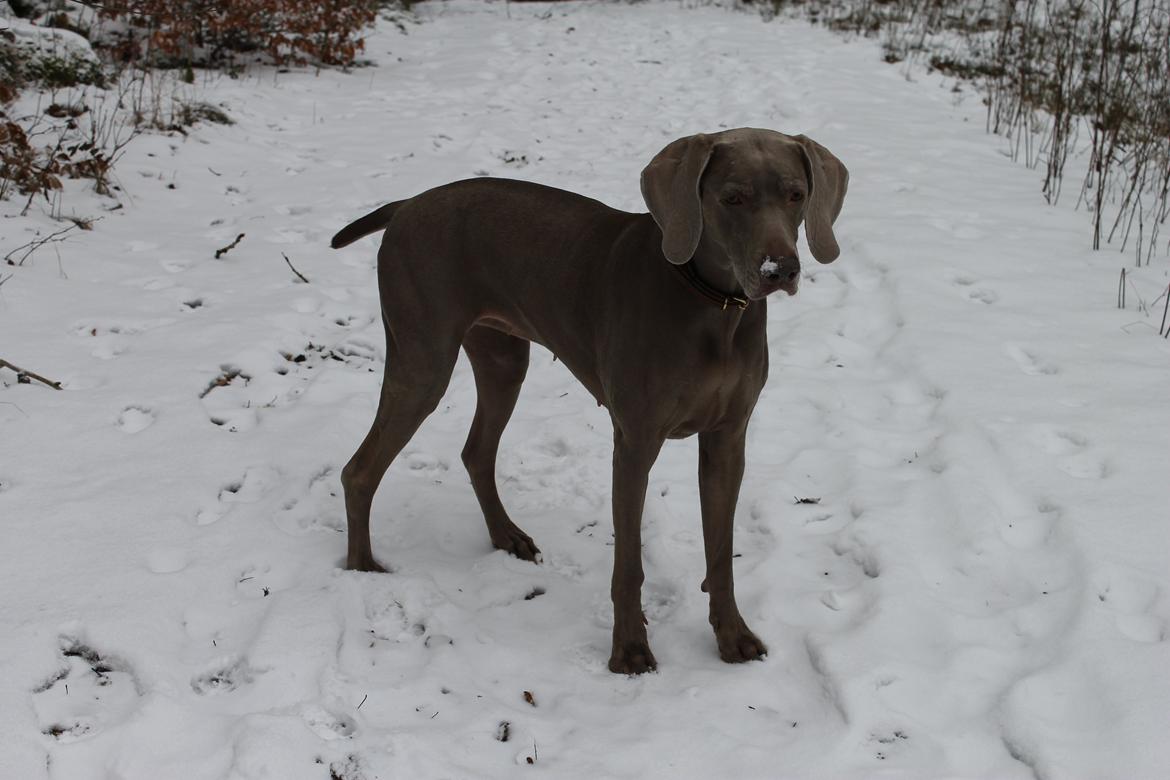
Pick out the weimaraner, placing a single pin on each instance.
(662, 317)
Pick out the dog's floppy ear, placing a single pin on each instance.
(828, 179)
(670, 187)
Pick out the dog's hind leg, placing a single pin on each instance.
(417, 373)
(499, 362)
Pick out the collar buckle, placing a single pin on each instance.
(722, 299)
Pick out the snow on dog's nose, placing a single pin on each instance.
(781, 273)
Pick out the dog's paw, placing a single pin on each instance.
(739, 644)
(515, 542)
(632, 657)
(364, 563)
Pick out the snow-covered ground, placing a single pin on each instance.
(981, 591)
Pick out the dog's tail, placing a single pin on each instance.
(370, 223)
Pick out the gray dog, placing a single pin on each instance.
(662, 317)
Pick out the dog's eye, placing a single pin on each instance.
(733, 200)
(796, 197)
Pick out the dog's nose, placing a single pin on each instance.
(780, 269)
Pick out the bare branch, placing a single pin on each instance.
(221, 252)
(23, 376)
(302, 277)
(36, 244)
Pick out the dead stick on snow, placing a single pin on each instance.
(1165, 310)
(20, 372)
(221, 252)
(36, 244)
(294, 270)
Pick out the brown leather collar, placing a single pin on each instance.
(723, 300)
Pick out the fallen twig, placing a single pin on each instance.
(302, 277)
(1165, 309)
(36, 244)
(221, 252)
(83, 222)
(23, 376)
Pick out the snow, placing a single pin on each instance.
(979, 589)
(37, 41)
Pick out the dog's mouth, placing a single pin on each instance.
(764, 289)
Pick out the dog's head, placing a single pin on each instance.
(744, 194)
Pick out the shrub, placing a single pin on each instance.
(22, 169)
(214, 32)
(78, 151)
(28, 61)
(1057, 75)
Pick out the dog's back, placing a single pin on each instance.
(510, 204)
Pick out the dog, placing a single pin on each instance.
(661, 316)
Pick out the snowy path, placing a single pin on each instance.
(980, 592)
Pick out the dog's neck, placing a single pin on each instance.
(716, 296)
(710, 265)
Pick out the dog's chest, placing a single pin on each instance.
(718, 386)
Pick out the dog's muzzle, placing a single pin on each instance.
(780, 273)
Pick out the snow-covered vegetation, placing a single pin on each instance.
(952, 532)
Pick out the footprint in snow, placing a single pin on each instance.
(235, 196)
(326, 724)
(1027, 531)
(224, 675)
(846, 577)
(1028, 362)
(133, 419)
(888, 743)
(89, 692)
(108, 340)
(1131, 599)
(1085, 465)
(1057, 441)
(354, 352)
(226, 401)
(317, 509)
(254, 485)
(858, 553)
(349, 768)
(659, 600)
(293, 210)
(1075, 456)
(971, 291)
(424, 464)
(173, 265)
(235, 399)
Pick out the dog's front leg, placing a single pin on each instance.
(632, 458)
(721, 459)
